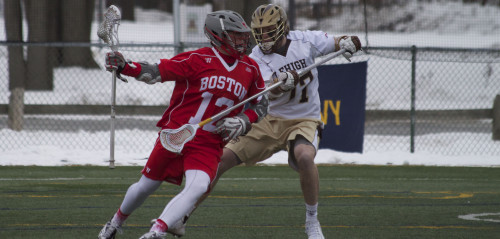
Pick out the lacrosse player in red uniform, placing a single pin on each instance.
(207, 81)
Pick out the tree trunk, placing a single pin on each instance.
(245, 9)
(250, 7)
(76, 18)
(166, 6)
(14, 31)
(17, 65)
(54, 32)
(149, 4)
(376, 4)
(39, 68)
(340, 8)
(126, 8)
(16, 109)
(195, 2)
(496, 118)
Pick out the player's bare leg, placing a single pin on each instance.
(309, 177)
(304, 153)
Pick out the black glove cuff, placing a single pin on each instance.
(246, 121)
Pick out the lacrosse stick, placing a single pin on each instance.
(174, 139)
(108, 32)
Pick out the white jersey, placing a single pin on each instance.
(305, 46)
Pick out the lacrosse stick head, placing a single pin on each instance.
(108, 30)
(173, 140)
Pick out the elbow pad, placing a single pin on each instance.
(150, 73)
(261, 108)
(245, 123)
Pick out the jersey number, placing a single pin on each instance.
(207, 98)
(305, 79)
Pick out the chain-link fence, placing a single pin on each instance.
(426, 97)
(417, 98)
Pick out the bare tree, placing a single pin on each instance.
(76, 17)
(163, 5)
(48, 21)
(39, 68)
(126, 7)
(17, 65)
(245, 8)
(14, 31)
(57, 21)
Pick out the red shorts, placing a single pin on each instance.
(167, 166)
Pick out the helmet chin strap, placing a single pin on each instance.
(266, 47)
(274, 45)
(228, 51)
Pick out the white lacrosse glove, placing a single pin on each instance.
(289, 78)
(232, 127)
(350, 44)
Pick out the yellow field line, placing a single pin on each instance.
(28, 225)
(456, 196)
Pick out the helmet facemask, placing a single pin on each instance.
(237, 43)
(266, 37)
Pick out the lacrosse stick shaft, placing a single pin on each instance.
(174, 140)
(321, 62)
(301, 73)
(226, 111)
(113, 119)
(108, 32)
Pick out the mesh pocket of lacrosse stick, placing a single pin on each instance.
(108, 29)
(174, 139)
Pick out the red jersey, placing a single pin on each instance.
(206, 85)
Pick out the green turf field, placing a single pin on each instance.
(260, 202)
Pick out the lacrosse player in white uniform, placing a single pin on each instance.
(293, 122)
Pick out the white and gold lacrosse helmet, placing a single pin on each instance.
(269, 24)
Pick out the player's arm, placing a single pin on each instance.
(232, 127)
(141, 71)
(257, 111)
(258, 107)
